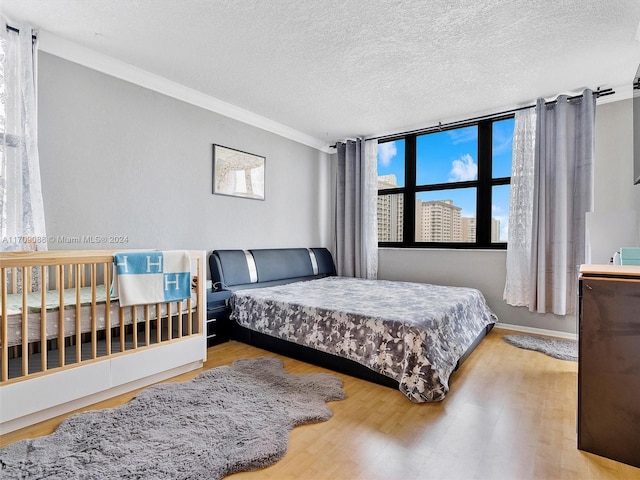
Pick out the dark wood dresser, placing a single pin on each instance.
(609, 362)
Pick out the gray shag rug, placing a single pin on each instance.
(554, 347)
(226, 420)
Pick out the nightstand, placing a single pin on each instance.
(218, 327)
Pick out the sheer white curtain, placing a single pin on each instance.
(561, 192)
(517, 286)
(22, 224)
(356, 209)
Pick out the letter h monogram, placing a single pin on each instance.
(154, 264)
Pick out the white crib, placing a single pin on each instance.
(65, 343)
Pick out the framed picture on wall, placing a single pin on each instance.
(237, 173)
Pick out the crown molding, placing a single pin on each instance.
(79, 54)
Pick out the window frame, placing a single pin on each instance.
(483, 185)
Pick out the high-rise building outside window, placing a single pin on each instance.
(446, 187)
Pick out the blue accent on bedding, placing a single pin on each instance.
(152, 277)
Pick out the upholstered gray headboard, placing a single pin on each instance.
(240, 269)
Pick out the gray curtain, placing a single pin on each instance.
(356, 209)
(561, 194)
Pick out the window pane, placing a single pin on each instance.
(502, 148)
(391, 164)
(446, 216)
(449, 156)
(500, 213)
(390, 215)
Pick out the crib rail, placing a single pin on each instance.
(56, 312)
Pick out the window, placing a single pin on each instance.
(446, 188)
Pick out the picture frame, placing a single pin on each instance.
(237, 173)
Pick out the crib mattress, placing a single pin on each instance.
(52, 313)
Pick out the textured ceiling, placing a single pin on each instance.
(336, 69)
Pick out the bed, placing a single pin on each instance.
(65, 336)
(404, 335)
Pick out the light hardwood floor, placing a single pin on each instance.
(510, 414)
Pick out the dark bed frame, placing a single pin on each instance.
(240, 269)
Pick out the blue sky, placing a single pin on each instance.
(452, 156)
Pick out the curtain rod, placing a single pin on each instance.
(598, 93)
(17, 30)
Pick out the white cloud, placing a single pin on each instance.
(386, 152)
(501, 145)
(463, 169)
(502, 139)
(463, 135)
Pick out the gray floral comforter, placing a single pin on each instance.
(412, 332)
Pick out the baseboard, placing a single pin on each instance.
(537, 331)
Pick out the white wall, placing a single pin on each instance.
(485, 270)
(614, 189)
(119, 159)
